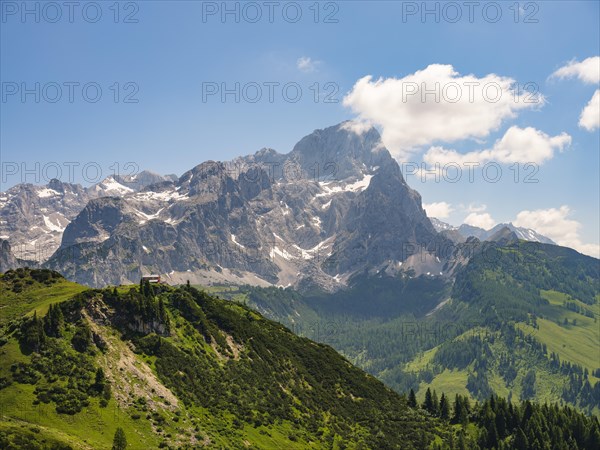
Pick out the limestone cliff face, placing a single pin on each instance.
(335, 205)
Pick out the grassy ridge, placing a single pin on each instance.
(24, 295)
(181, 369)
(178, 368)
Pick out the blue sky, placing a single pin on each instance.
(175, 47)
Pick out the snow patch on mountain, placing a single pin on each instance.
(56, 226)
(45, 192)
(111, 186)
(332, 187)
(148, 217)
(234, 240)
(166, 196)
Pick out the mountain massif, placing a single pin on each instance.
(310, 218)
(335, 206)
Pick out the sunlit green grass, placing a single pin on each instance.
(450, 382)
(38, 297)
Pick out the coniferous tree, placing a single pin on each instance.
(119, 441)
(148, 290)
(428, 402)
(492, 436)
(412, 399)
(54, 321)
(466, 407)
(163, 316)
(461, 410)
(527, 413)
(82, 339)
(435, 408)
(500, 422)
(33, 336)
(444, 408)
(456, 409)
(99, 380)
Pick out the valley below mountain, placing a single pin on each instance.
(519, 320)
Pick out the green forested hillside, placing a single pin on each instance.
(178, 368)
(175, 367)
(520, 320)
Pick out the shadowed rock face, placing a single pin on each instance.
(7, 259)
(337, 204)
(95, 222)
(385, 222)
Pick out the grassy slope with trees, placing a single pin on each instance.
(160, 367)
(175, 367)
(513, 312)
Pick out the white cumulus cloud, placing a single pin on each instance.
(440, 210)
(556, 224)
(481, 220)
(474, 207)
(590, 116)
(436, 104)
(587, 70)
(523, 145)
(355, 126)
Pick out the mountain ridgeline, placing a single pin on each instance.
(310, 218)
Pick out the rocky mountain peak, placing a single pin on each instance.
(503, 236)
(208, 178)
(95, 222)
(143, 179)
(57, 185)
(346, 150)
